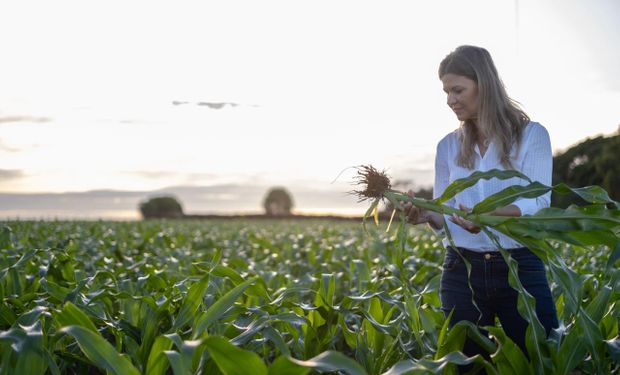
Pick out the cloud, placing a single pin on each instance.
(171, 175)
(217, 105)
(7, 148)
(154, 175)
(10, 119)
(211, 105)
(10, 174)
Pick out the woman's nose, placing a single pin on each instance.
(450, 100)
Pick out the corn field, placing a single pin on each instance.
(276, 297)
(258, 297)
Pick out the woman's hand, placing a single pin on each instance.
(415, 215)
(463, 223)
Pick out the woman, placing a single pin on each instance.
(494, 133)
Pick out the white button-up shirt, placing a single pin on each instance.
(533, 158)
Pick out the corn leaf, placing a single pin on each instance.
(27, 347)
(215, 311)
(332, 361)
(157, 363)
(232, 360)
(283, 366)
(99, 351)
(71, 315)
(463, 183)
(192, 302)
(509, 358)
(427, 366)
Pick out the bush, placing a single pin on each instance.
(165, 207)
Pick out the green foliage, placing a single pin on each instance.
(166, 207)
(591, 162)
(186, 297)
(278, 202)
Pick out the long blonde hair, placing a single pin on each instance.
(500, 118)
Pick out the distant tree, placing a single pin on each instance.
(165, 207)
(592, 162)
(278, 202)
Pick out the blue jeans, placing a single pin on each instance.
(492, 294)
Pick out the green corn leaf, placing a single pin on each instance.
(406, 367)
(21, 262)
(250, 331)
(99, 351)
(276, 338)
(192, 303)
(157, 363)
(179, 366)
(350, 336)
(613, 346)
(443, 334)
(440, 366)
(591, 335)
(389, 328)
(596, 309)
(27, 345)
(613, 257)
(455, 339)
(472, 332)
(509, 195)
(463, 183)
(71, 315)
(571, 353)
(283, 366)
(509, 358)
(327, 288)
(332, 361)
(29, 318)
(232, 360)
(592, 194)
(223, 271)
(6, 238)
(215, 311)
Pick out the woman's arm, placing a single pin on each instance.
(537, 164)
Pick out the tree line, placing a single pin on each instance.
(278, 202)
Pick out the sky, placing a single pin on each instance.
(127, 99)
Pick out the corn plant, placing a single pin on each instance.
(595, 226)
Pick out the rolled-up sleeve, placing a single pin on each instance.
(442, 170)
(538, 166)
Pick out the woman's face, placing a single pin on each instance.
(462, 96)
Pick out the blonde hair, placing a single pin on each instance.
(500, 118)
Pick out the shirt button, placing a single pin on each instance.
(487, 256)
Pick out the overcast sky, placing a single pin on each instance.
(143, 95)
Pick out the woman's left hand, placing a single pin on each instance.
(463, 223)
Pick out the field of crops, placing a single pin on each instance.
(266, 297)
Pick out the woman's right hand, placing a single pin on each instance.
(415, 215)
